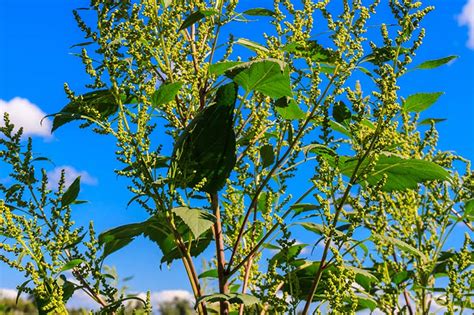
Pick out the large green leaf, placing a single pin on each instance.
(71, 264)
(269, 76)
(221, 67)
(288, 109)
(420, 102)
(165, 93)
(401, 173)
(431, 64)
(117, 238)
(233, 298)
(198, 220)
(267, 155)
(340, 112)
(71, 193)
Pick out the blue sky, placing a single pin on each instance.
(35, 61)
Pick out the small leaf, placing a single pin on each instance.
(251, 45)
(196, 16)
(340, 112)
(259, 12)
(431, 64)
(429, 121)
(339, 128)
(221, 67)
(71, 193)
(288, 109)
(165, 93)
(381, 55)
(287, 254)
(268, 76)
(469, 209)
(420, 102)
(198, 220)
(71, 264)
(21, 289)
(82, 44)
(211, 273)
(267, 155)
(311, 49)
(303, 207)
(233, 298)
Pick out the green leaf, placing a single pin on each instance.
(165, 93)
(431, 64)
(303, 207)
(196, 16)
(311, 49)
(71, 193)
(363, 277)
(21, 288)
(101, 101)
(268, 76)
(71, 264)
(420, 102)
(211, 273)
(339, 128)
(254, 46)
(469, 209)
(82, 44)
(288, 109)
(220, 68)
(259, 12)
(429, 121)
(401, 245)
(119, 237)
(400, 277)
(340, 112)
(198, 220)
(287, 254)
(232, 298)
(366, 302)
(267, 155)
(401, 173)
(166, 3)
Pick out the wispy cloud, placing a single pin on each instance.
(25, 114)
(467, 18)
(70, 175)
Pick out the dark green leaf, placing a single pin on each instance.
(366, 302)
(221, 67)
(431, 64)
(119, 237)
(71, 264)
(429, 121)
(196, 16)
(165, 93)
(21, 288)
(259, 12)
(71, 193)
(269, 76)
(287, 254)
(267, 155)
(420, 102)
(288, 109)
(340, 112)
(400, 277)
(198, 220)
(469, 209)
(68, 289)
(82, 44)
(303, 207)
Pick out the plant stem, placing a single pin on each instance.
(220, 255)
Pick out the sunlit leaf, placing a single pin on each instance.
(401, 245)
(198, 220)
(288, 109)
(431, 64)
(71, 264)
(251, 45)
(165, 93)
(420, 102)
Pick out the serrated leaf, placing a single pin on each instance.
(431, 64)
(196, 16)
(251, 45)
(288, 109)
(221, 67)
(401, 245)
(198, 220)
(232, 298)
(401, 173)
(340, 112)
(259, 12)
(267, 155)
(429, 121)
(71, 264)
(165, 93)
(269, 76)
(420, 102)
(71, 193)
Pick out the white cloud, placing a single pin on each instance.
(70, 175)
(164, 296)
(467, 18)
(8, 293)
(25, 114)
